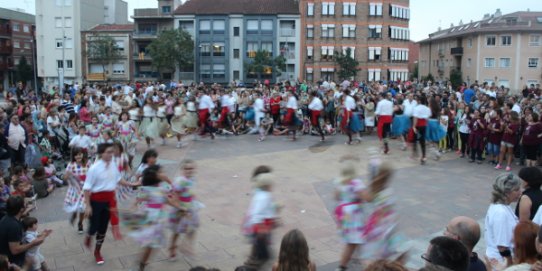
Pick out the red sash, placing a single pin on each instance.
(381, 121)
(203, 115)
(346, 116)
(110, 198)
(223, 114)
(421, 123)
(315, 114)
(289, 117)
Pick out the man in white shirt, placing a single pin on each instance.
(205, 108)
(82, 140)
(421, 115)
(259, 113)
(316, 106)
(16, 136)
(384, 112)
(409, 104)
(99, 189)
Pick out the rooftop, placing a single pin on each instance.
(517, 21)
(247, 7)
(10, 14)
(113, 27)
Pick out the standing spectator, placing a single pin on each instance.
(467, 231)
(16, 136)
(531, 198)
(11, 233)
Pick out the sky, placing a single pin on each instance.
(426, 15)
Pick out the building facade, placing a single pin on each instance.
(228, 33)
(117, 70)
(377, 33)
(148, 23)
(17, 40)
(58, 28)
(501, 49)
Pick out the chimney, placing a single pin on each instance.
(460, 22)
(486, 16)
(451, 25)
(498, 13)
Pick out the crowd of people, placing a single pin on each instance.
(86, 137)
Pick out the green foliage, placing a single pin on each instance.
(456, 78)
(24, 72)
(172, 48)
(429, 77)
(102, 49)
(263, 62)
(348, 65)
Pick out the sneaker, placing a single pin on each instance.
(80, 229)
(508, 168)
(98, 257)
(498, 166)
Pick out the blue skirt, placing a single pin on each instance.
(434, 131)
(400, 125)
(249, 114)
(355, 123)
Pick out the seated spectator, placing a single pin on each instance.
(448, 253)
(50, 172)
(22, 190)
(294, 253)
(525, 253)
(467, 231)
(386, 265)
(42, 185)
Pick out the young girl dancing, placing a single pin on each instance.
(75, 175)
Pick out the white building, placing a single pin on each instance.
(58, 33)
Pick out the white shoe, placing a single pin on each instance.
(179, 145)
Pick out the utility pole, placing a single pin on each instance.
(61, 69)
(34, 67)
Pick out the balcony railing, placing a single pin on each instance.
(457, 51)
(145, 34)
(150, 12)
(5, 31)
(287, 32)
(142, 56)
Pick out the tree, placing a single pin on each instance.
(102, 49)
(348, 65)
(456, 77)
(24, 72)
(172, 48)
(263, 63)
(429, 77)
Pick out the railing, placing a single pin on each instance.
(141, 34)
(149, 12)
(96, 77)
(456, 51)
(287, 32)
(5, 31)
(142, 56)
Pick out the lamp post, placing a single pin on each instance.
(34, 67)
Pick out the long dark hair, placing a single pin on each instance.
(294, 252)
(150, 176)
(148, 154)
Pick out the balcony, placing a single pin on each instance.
(96, 77)
(441, 52)
(5, 31)
(287, 32)
(145, 34)
(456, 51)
(5, 50)
(150, 13)
(143, 56)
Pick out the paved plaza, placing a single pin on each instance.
(427, 197)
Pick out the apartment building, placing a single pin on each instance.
(17, 40)
(58, 33)
(377, 32)
(228, 33)
(117, 70)
(501, 49)
(148, 23)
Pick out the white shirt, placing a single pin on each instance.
(161, 112)
(463, 124)
(52, 121)
(148, 111)
(83, 141)
(102, 177)
(421, 112)
(258, 106)
(261, 207)
(16, 136)
(292, 103)
(408, 107)
(499, 229)
(516, 108)
(384, 108)
(349, 103)
(127, 89)
(316, 104)
(205, 102)
(226, 101)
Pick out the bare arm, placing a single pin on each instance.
(525, 204)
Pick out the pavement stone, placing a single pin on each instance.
(427, 197)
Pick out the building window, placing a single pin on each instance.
(252, 27)
(236, 75)
(373, 75)
(166, 9)
(504, 83)
(69, 43)
(328, 8)
(68, 3)
(58, 22)
(327, 52)
(236, 53)
(310, 31)
(506, 40)
(399, 12)
(118, 68)
(490, 40)
(60, 64)
(328, 31)
(399, 33)
(58, 43)
(489, 62)
(398, 54)
(219, 27)
(375, 53)
(219, 71)
(26, 28)
(533, 62)
(119, 45)
(236, 31)
(310, 52)
(267, 47)
(205, 49)
(69, 64)
(469, 62)
(310, 9)
(504, 62)
(27, 45)
(68, 22)
(534, 40)
(267, 26)
(205, 71)
(349, 9)
(205, 27)
(352, 51)
(349, 30)
(252, 48)
(16, 27)
(375, 31)
(218, 49)
(327, 73)
(16, 44)
(375, 9)
(59, 3)
(308, 75)
(469, 43)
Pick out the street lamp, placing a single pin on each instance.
(34, 67)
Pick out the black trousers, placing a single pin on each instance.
(420, 137)
(464, 142)
(17, 156)
(99, 220)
